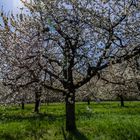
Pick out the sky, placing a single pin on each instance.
(11, 5)
(8, 6)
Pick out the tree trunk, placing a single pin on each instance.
(88, 100)
(22, 104)
(70, 112)
(37, 103)
(122, 101)
(138, 85)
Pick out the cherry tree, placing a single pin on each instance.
(72, 41)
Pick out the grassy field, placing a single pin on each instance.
(103, 121)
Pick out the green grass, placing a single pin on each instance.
(105, 121)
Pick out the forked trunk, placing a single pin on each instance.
(70, 112)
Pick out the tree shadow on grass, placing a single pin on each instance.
(32, 117)
(74, 135)
(11, 136)
(7, 137)
(36, 126)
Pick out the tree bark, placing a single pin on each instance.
(88, 101)
(122, 101)
(138, 85)
(70, 112)
(22, 104)
(37, 103)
